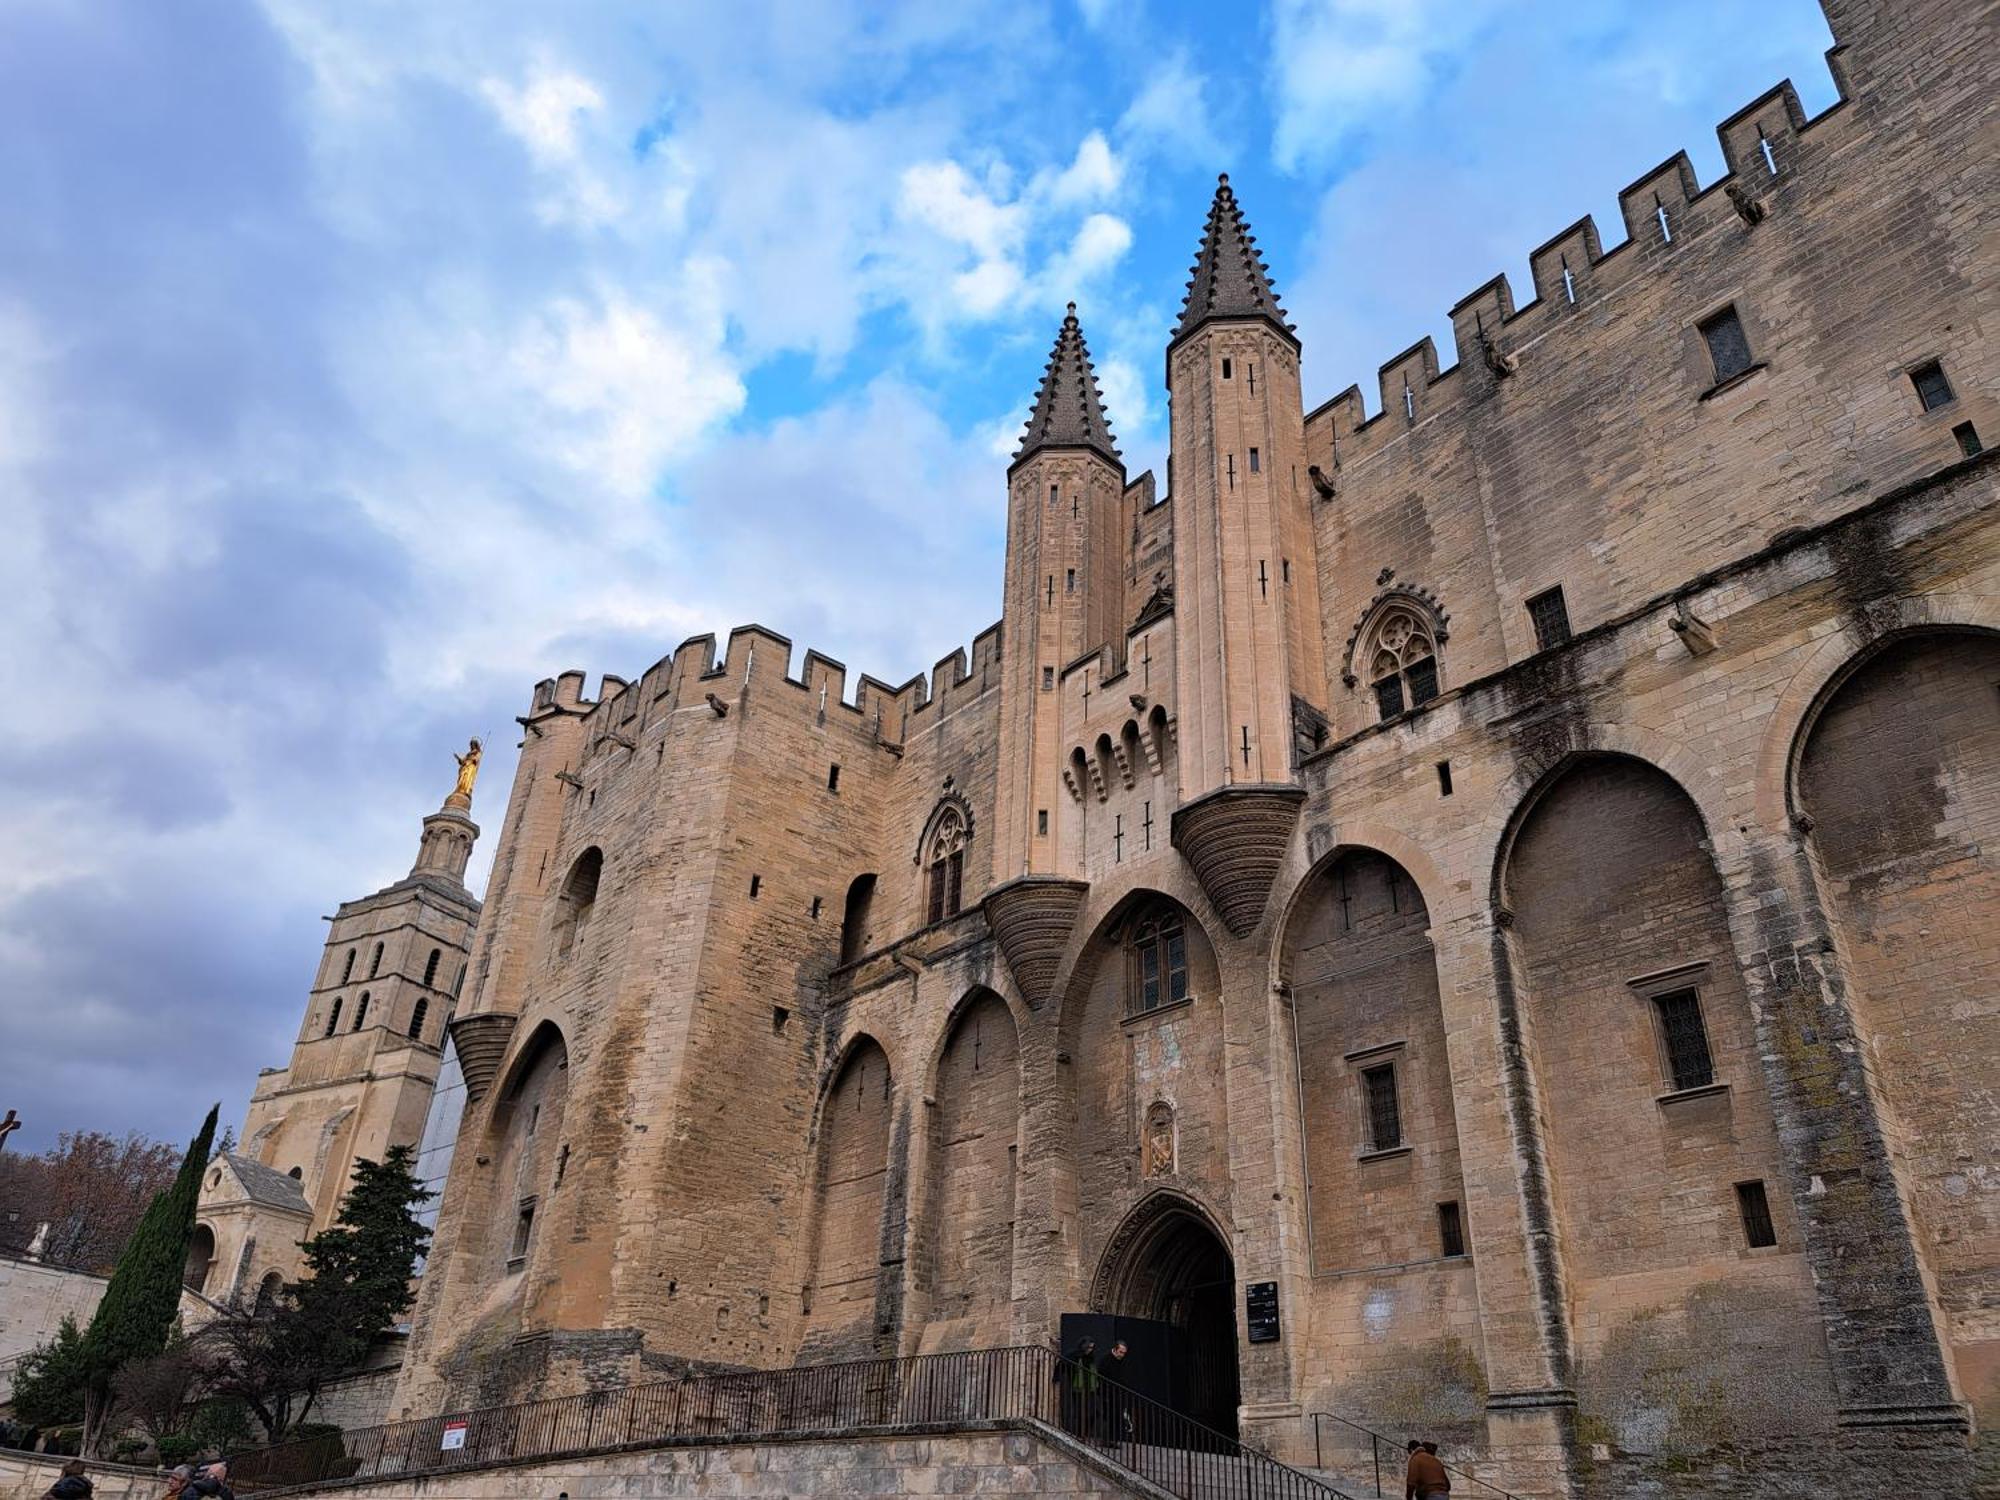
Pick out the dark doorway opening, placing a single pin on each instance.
(1175, 1273)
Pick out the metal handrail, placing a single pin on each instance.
(1378, 1443)
(986, 1387)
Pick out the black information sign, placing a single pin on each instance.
(1260, 1306)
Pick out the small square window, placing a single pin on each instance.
(833, 778)
(1048, 679)
(1968, 439)
(1451, 1230)
(1052, 497)
(1256, 464)
(1385, 1115)
(1444, 778)
(756, 884)
(1933, 389)
(524, 1228)
(1728, 345)
(1751, 1202)
(1684, 1040)
(1069, 581)
(1225, 369)
(1042, 821)
(1551, 618)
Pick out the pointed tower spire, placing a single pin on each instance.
(1069, 408)
(1229, 278)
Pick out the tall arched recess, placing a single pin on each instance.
(1900, 777)
(1662, 1155)
(973, 1168)
(1380, 1134)
(849, 1199)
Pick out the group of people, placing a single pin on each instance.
(1090, 1385)
(187, 1482)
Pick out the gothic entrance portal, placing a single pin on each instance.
(1168, 1269)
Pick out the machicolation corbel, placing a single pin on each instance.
(1747, 207)
(1695, 634)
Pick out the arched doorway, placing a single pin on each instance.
(1166, 1266)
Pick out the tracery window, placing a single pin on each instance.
(945, 864)
(1404, 666)
(1158, 955)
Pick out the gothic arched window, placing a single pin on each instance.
(944, 865)
(347, 970)
(431, 968)
(1403, 665)
(333, 1016)
(417, 1018)
(1158, 954)
(361, 1011)
(375, 962)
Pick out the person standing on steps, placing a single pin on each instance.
(1076, 1378)
(1425, 1477)
(1117, 1421)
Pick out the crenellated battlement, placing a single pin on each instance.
(754, 659)
(1662, 211)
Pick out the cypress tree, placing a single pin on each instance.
(144, 1297)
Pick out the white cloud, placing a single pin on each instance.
(1171, 115)
(620, 391)
(1096, 173)
(1124, 399)
(943, 196)
(544, 111)
(1099, 244)
(1338, 64)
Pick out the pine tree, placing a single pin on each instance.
(358, 1270)
(275, 1359)
(49, 1379)
(144, 1297)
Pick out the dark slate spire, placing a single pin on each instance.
(1229, 278)
(1069, 409)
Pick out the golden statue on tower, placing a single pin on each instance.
(468, 772)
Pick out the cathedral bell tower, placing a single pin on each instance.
(362, 1071)
(1065, 593)
(1249, 653)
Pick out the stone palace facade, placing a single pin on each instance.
(1508, 881)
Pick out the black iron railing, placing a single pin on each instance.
(978, 1388)
(1353, 1451)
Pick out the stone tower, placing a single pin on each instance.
(361, 1073)
(1064, 592)
(1251, 662)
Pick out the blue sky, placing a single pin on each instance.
(361, 363)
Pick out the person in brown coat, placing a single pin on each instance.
(1425, 1477)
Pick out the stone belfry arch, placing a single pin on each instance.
(1249, 634)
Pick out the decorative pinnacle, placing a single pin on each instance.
(1069, 407)
(1228, 278)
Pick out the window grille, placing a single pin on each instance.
(1159, 960)
(1689, 1064)
(1728, 345)
(1758, 1230)
(1933, 389)
(1550, 616)
(1451, 1230)
(1385, 1116)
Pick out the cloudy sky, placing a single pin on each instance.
(361, 363)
